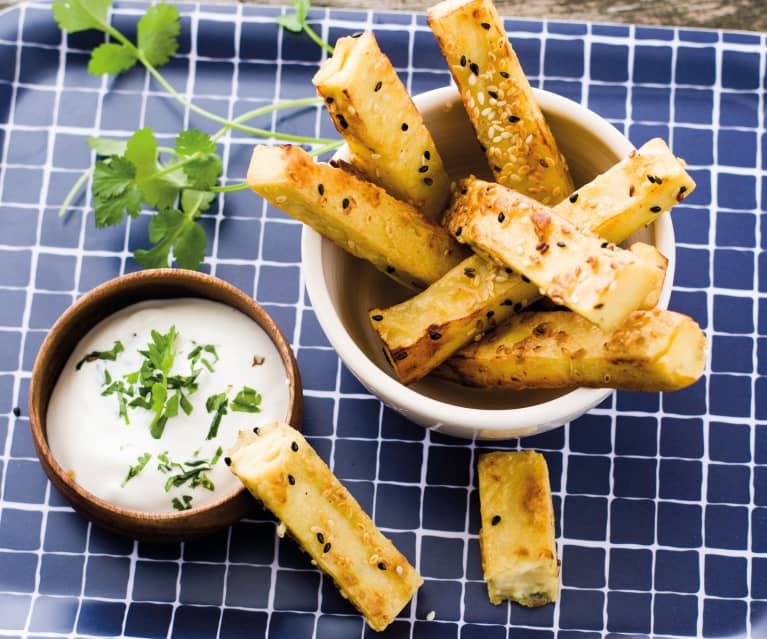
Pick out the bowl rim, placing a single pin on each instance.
(483, 422)
(114, 287)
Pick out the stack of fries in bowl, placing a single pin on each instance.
(488, 259)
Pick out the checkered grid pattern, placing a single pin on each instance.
(661, 501)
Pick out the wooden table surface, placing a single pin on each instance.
(748, 15)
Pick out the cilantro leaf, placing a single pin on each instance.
(107, 146)
(193, 141)
(189, 251)
(172, 229)
(203, 172)
(217, 404)
(110, 58)
(295, 21)
(159, 191)
(79, 15)
(141, 462)
(158, 32)
(290, 22)
(248, 400)
(110, 355)
(115, 191)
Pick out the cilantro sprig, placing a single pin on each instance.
(180, 183)
(296, 22)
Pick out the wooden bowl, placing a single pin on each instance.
(61, 341)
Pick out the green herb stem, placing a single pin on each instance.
(193, 107)
(313, 35)
(336, 144)
(74, 191)
(229, 189)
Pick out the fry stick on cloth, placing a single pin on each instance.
(280, 468)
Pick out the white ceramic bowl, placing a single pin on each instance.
(342, 288)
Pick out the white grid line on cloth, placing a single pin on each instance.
(709, 338)
(754, 337)
(3, 173)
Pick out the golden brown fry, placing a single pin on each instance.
(358, 216)
(651, 351)
(372, 110)
(520, 148)
(281, 469)
(519, 555)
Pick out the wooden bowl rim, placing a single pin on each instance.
(113, 289)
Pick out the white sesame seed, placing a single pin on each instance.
(281, 529)
(431, 616)
(529, 139)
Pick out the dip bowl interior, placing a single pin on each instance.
(343, 288)
(61, 341)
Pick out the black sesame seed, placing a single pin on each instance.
(435, 335)
(356, 34)
(518, 307)
(404, 126)
(543, 163)
(377, 318)
(513, 119)
(497, 168)
(525, 279)
(427, 155)
(381, 565)
(16, 411)
(598, 306)
(501, 217)
(291, 480)
(485, 25)
(603, 244)
(504, 74)
(463, 60)
(489, 314)
(294, 447)
(482, 148)
(658, 180)
(255, 430)
(509, 271)
(469, 272)
(428, 181)
(682, 189)
(493, 94)
(345, 203)
(464, 191)
(400, 356)
(474, 68)
(378, 86)
(342, 121)
(321, 538)
(507, 302)
(329, 100)
(386, 356)
(574, 198)
(655, 209)
(326, 548)
(228, 461)
(561, 244)
(458, 231)
(390, 269)
(651, 178)
(495, 520)
(423, 169)
(321, 189)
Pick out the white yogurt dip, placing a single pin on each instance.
(89, 436)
